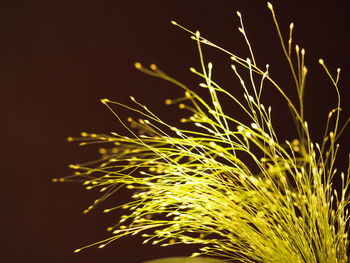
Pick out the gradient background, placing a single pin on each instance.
(57, 58)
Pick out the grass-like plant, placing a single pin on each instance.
(235, 187)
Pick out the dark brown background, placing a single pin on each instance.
(57, 58)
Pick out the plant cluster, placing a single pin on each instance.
(236, 188)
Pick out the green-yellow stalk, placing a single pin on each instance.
(236, 188)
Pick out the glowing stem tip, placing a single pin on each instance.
(174, 22)
(104, 101)
(137, 65)
(77, 250)
(269, 5)
(238, 14)
(153, 67)
(321, 61)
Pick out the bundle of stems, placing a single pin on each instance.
(235, 187)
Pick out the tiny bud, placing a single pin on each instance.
(102, 151)
(137, 65)
(304, 70)
(254, 126)
(73, 166)
(183, 120)
(104, 101)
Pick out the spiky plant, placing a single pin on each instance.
(233, 186)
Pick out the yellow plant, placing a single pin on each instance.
(237, 188)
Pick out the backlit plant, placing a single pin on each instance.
(235, 187)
